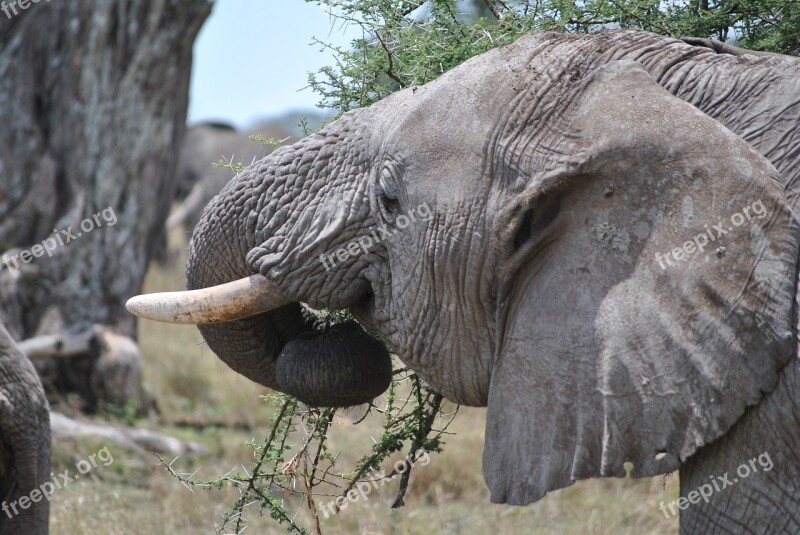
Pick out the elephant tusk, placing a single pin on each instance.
(227, 302)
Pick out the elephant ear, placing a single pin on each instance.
(609, 350)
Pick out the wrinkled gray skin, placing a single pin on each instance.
(556, 169)
(206, 144)
(24, 441)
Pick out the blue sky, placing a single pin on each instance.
(252, 59)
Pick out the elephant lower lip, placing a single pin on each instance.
(340, 367)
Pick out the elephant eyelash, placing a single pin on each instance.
(389, 204)
(385, 193)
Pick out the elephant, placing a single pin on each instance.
(609, 267)
(24, 444)
(204, 145)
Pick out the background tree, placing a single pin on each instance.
(93, 100)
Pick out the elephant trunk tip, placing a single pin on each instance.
(342, 366)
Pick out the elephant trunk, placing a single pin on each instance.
(251, 227)
(249, 346)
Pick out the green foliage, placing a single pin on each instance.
(294, 459)
(127, 413)
(410, 43)
(771, 25)
(269, 142)
(336, 316)
(237, 167)
(397, 50)
(227, 163)
(408, 423)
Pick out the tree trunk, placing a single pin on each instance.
(93, 101)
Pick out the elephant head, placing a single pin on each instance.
(206, 144)
(581, 272)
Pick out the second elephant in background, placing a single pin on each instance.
(206, 144)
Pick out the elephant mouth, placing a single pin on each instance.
(334, 365)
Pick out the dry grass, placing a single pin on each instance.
(447, 496)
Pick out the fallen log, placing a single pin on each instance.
(143, 441)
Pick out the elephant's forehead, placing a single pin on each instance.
(472, 101)
(442, 142)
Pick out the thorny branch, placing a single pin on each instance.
(493, 8)
(416, 444)
(390, 69)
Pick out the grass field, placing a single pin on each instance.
(447, 496)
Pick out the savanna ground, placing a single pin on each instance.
(447, 496)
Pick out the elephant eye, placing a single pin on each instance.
(389, 204)
(387, 196)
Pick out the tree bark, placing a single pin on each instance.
(93, 102)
